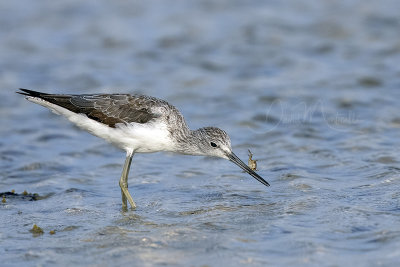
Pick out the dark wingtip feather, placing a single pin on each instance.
(23, 91)
(28, 92)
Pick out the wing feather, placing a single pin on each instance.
(105, 108)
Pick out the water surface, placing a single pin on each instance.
(311, 87)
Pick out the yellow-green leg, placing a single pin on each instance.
(123, 183)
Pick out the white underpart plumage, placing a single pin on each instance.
(134, 137)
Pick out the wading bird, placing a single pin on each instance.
(138, 124)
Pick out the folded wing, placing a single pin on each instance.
(105, 108)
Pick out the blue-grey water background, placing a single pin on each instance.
(311, 87)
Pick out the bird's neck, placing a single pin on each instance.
(188, 142)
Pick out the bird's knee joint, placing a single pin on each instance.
(123, 184)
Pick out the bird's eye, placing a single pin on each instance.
(213, 144)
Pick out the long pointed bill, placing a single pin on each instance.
(232, 157)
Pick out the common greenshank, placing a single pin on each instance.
(138, 124)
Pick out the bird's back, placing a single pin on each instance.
(111, 109)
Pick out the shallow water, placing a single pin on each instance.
(311, 87)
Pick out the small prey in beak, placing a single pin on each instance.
(232, 157)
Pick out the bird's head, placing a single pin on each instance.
(216, 143)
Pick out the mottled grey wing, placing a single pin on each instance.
(109, 109)
(113, 109)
